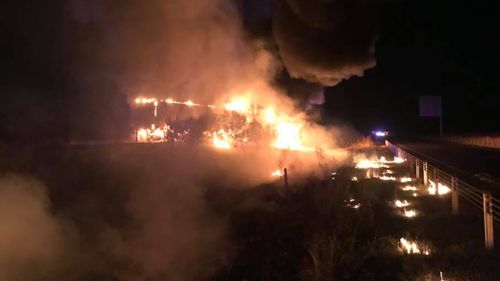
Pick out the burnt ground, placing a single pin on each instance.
(304, 232)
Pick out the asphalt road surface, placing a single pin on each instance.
(480, 163)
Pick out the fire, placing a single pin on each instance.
(287, 131)
(397, 160)
(409, 213)
(142, 135)
(409, 188)
(277, 173)
(442, 189)
(405, 179)
(156, 102)
(222, 139)
(153, 134)
(269, 116)
(288, 136)
(351, 203)
(241, 105)
(401, 204)
(145, 101)
(386, 178)
(268, 124)
(363, 163)
(412, 248)
(367, 164)
(356, 206)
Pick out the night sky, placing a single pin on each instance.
(446, 48)
(428, 47)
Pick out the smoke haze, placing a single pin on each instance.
(32, 240)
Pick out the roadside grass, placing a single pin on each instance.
(306, 232)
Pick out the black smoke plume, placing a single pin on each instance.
(325, 41)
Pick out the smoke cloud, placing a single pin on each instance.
(201, 50)
(180, 49)
(325, 41)
(33, 241)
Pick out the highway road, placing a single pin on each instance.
(480, 163)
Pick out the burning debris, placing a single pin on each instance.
(386, 178)
(376, 163)
(409, 213)
(222, 139)
(379, 167)
(153, 134)
(368, 164)
(410, 188)
(397, 160)
(401, 204)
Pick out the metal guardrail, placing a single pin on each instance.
(482, 200)
(482, 141)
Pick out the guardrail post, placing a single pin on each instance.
(488, 221)
(426, 176)
(285, 177)
(436, 179)
(417, 169)
(454, 196)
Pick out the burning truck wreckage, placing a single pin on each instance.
(234, 124)
(241, 123)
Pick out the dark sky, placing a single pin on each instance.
(447, 48)
(424, 47)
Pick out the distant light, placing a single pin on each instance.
(380, 133)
